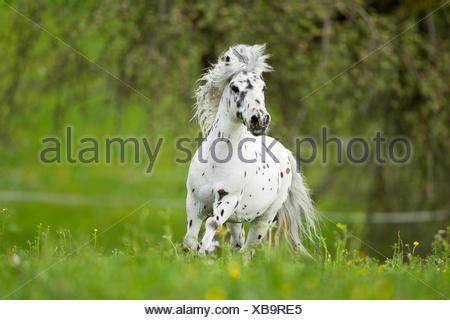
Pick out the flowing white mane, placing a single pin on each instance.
(236, 59)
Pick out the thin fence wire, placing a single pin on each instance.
(8, 196)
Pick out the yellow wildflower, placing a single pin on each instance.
(340, 226)
(222, 231)
(234, 270)
(415, 243)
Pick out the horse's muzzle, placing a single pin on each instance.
(259, 123)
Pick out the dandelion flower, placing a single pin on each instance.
(234, 270)
(222, 232)
(415, 243)
(340, 226)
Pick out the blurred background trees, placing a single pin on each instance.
(161, 47)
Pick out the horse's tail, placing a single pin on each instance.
(297, 216)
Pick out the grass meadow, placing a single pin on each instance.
(120, 238)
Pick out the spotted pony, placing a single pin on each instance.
(239, 174)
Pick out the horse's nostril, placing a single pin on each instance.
(254, 120)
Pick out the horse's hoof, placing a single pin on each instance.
(209, 248)
(213, 246)
(190, 244)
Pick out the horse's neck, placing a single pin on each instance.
(226, 126)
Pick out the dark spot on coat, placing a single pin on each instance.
(221, 213)
(193, 190)
(222, 193)
(288, 170)
(259, 236)
(190, 223)
(227, 58)
(249, 84)
(281, 174)
(257, 101)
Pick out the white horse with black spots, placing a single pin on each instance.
(239, 174)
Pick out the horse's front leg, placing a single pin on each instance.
(223, 208)
(194, 223)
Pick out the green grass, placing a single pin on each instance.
(146, 262)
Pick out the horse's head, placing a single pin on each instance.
(247, 102)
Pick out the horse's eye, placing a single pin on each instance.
(234, 89)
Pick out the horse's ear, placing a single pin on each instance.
(260, 53)
(240, 57)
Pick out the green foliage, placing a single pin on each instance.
(158, 49)
(440, 247)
